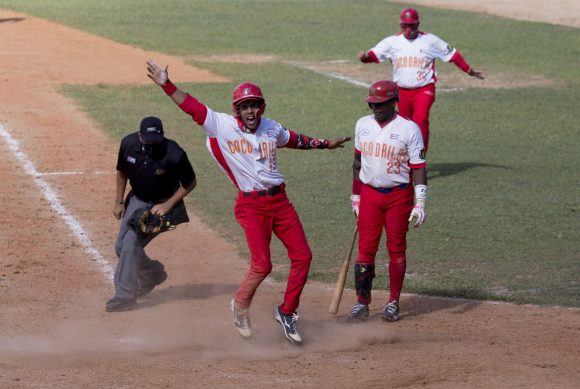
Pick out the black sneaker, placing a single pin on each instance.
(288, 323)
(358, 313)
(117, 304)
(241, 320)
(146, 285)
(391, 311)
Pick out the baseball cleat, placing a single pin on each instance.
(288, 323)
(117, 304)
(147, 285)
(358, 313)
(241, 320)
(391, 311)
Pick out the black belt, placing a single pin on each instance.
(389, 190)
(266, 192)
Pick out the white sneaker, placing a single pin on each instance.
(288, 323)
(391, 311)
(241, 320)
(359, 312)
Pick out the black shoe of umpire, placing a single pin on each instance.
(146, 285)
(117, 304)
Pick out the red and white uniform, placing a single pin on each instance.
(388, 154)
(249, 159)
(413, 60)
(414, 72)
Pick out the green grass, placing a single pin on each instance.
(503, 217)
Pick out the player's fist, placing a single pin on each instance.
(418, 213)
(158, 74)
(362, 56)
(355, 200)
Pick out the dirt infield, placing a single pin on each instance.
(57, 167)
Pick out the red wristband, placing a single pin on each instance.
(169, 88)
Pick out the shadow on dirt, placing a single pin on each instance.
(422, 305)
(11, 20)
(196, 291)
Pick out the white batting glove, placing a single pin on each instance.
(418, 211)
(355, 200)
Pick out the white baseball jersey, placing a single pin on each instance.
(413, 60)
(388, 153)
(249, 159)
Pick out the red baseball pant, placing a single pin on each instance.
(415, 104)
(390, 211)
(259, 216)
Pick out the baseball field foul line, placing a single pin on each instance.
(347, 79)
(75, 227)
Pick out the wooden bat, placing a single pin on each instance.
(335, 302)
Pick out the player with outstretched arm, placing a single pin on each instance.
(413, 54)
(245, 147)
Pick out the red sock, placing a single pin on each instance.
(397, 268)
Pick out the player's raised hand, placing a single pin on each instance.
(157, 73)
(418, 213)
(337, 143)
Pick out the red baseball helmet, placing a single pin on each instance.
(247, 91)
(382, 91)
(409, 16)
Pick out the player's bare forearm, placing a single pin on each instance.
(419, 176)
(356, 166)
(178, 96)
(179, 195)
(121, 186)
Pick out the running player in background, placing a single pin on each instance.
(413, 54)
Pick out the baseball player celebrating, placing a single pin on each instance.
(388, 161)
(412, 54)
(244, 146)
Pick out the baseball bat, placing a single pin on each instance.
(335, 302)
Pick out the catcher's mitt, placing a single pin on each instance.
(143, 221)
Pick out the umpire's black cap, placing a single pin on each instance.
(151, 129)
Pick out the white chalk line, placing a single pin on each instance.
(40, 174)
(348, 79)
(74, 226)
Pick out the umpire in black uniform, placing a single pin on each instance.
(160, 176)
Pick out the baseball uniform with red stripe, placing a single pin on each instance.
(413, 61)
(388, 153)
(249, 159)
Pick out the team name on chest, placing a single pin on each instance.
(411, 61)
(384, 151)
(265, 148)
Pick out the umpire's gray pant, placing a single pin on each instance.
(130, 249)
